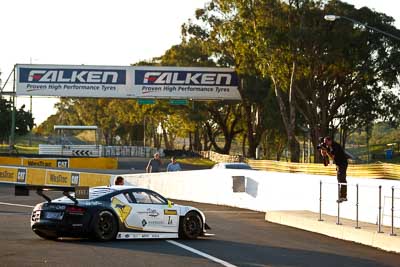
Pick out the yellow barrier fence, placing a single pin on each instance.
(78, 163)
(41, 176)
(376, 170)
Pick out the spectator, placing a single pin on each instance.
(119, 180)
(154, 164)
(336, 152)
(173, 166)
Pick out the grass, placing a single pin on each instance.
(379, 150)
(197, 162)
(21, 149)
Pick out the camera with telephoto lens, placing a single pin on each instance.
(323, 146)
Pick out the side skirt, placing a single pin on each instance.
(131, 235)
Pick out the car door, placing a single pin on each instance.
(152, 213)
(121, 204)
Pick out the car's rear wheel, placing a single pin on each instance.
(105, 227)
(190, 226)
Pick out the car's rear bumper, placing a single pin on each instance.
(62, 228)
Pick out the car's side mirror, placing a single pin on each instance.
(170, 203)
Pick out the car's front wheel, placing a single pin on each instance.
(190, 226)
(105, 227)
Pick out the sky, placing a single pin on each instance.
(100, 32)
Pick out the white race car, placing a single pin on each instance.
(232, 165)
(115, 212)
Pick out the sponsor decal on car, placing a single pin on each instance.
(120, 208)
(150, 212)
(129, 235)
(54, 206)
(170, 212)
(155, 222)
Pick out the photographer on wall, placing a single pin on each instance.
(333, 150)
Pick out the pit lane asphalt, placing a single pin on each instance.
(242, 238)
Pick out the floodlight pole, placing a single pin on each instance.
(335, 17)
(13, 115)
(30, 128)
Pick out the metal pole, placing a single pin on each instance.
(320, 201)
(338, 207)
(12, 137)
(392, 232)
(372, 28)
(144, 131)
(380, 210)
(357, 226)
(30, 132)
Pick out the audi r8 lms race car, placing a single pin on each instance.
(114, 212)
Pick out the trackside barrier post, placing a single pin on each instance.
(320, 201)
(392, 232)
(338, 207)
(380, 210)
(357, 226)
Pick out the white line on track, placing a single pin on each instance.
(198, 252)
(16, 205)
(230, 211)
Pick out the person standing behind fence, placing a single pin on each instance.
(173, 166)
(336, 152)
(154, 164)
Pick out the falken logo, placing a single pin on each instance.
(201, 78)
(89, 76)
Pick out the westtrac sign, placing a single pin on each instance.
(127, 82)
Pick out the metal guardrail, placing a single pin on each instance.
(70, 150)
(128, 151)
(96, 151)
(379, 201)
(377, 170)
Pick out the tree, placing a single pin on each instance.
(225, 38)
(316, 67)
(5, 119)
(23, 120)
(217, 117)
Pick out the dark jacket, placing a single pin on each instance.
(340, 157)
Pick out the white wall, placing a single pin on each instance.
(268, 191)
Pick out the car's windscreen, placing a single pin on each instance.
(238, 166)
(145, 197)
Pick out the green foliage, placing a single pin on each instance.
(23, 120)
(297, 71)
(381, 134)
(5, 119)
(326, 72)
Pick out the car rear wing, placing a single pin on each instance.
(81, 192)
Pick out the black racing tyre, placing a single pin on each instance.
(190, 226)
(46, 236)
(105, 226)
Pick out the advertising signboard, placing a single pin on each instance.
(127, 82)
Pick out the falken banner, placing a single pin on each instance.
(127, 82)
